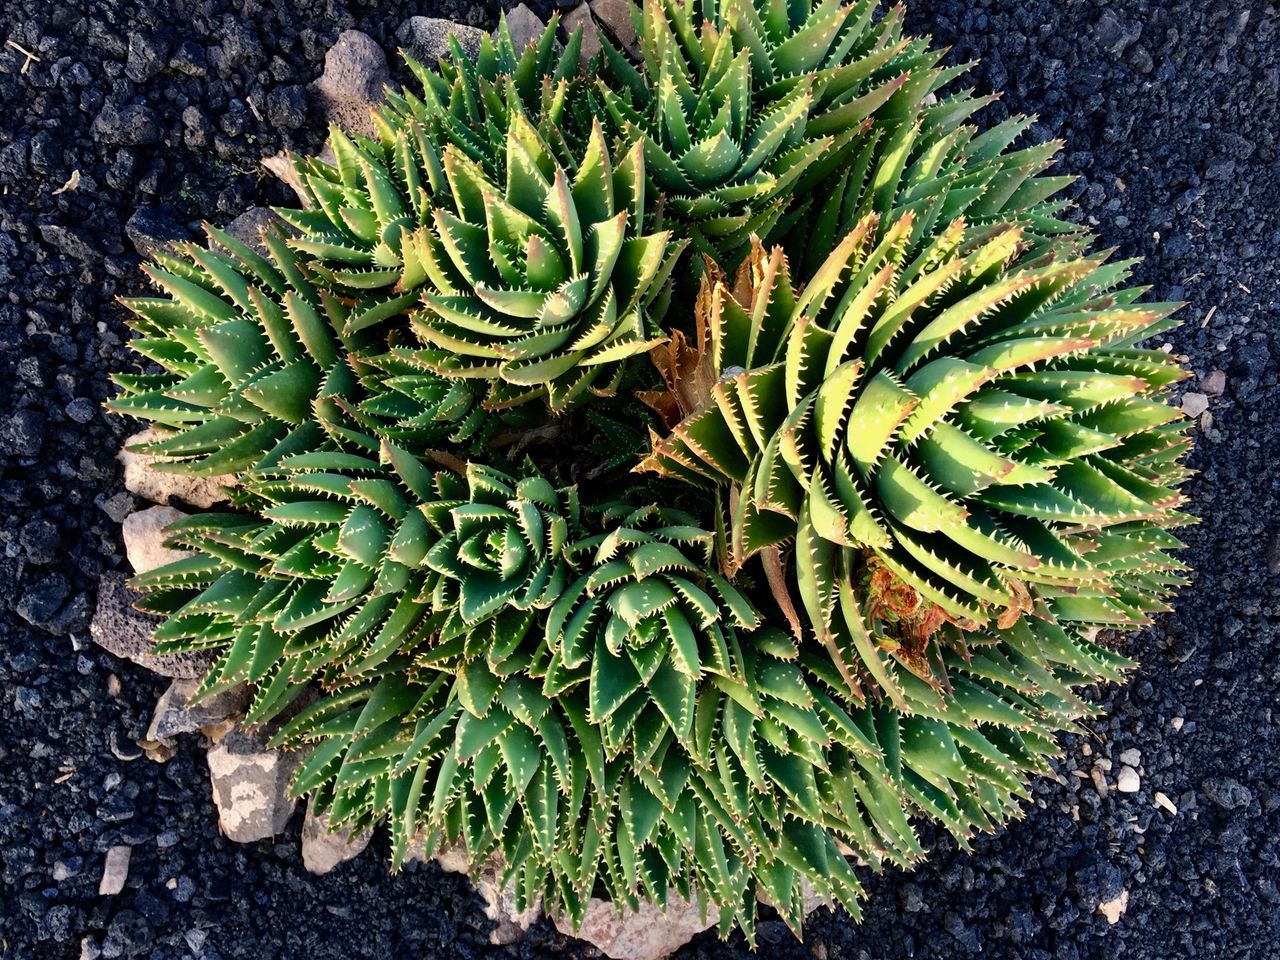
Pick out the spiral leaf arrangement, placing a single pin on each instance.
(678, 479)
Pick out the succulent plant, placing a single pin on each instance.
(464, 98)
(539, 282)
(496, 674)
(259, 358)
(578, 691)
(880, 513)
(545, 284)
(955, 434)
(742, 109)
(255, 360)
(346, 569)
(793, 121)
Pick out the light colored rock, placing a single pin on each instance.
(249, 226)
(281, 165)
(174, 715)
(648, 934)
(120, 629)
(144, 480)
(426, 39)
(251, 786)
(1194, 404)
(451, 859)
(811, 898)
(615, 15)
(1099, 780)
(144, 538)
(354, 80)
(115, 871)
(524, 25)
(499, 900)
(1128, 780)
(1163, 801)
(580, 16)
(1214, 383)
(323, 850)
(1113, 909)
(500, 906)
(1131, 757)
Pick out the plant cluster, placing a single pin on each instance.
(676, 478)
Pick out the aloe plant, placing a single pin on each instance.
(725, 156)
(464, 99)
(494, 671)
(255, 359)
(951, 435)
(539, 282)
(545, 284)
(261, 358)
(578, 691)
(905, 454)
(793, 120)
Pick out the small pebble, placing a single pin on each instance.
(1114, 908)
(196, 938)
(81, 410)
(115, 871)
(1194, 404)
(1214, 383)
(65, 869)
(1128, 780)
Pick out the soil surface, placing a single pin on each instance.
(140, 118)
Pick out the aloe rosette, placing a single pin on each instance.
(546, 283)
(539, 283)
(255, 359)
(946, 464)
(952, 437)
(259, 359)
(733, 107)
(792, 121)
(464, 98)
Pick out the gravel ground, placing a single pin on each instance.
(1169, 113)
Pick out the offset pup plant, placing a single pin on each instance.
(905, 455)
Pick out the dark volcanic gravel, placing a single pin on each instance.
(1169, 114)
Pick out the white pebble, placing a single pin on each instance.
(1128, 781)
(1114, 909)
(115, 871)
(1194, 404)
